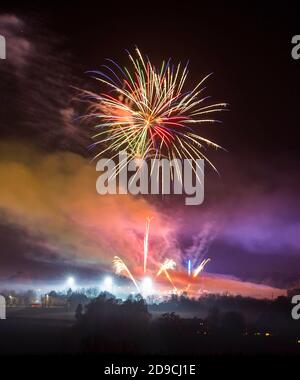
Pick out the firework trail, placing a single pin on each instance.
(120, 267)
(149, 113)
(167, 265)
(189, 267)
(201, 267)
(146, 240)
(171, 281)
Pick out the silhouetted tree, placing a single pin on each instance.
(213, 320)
(109, 325)
(78, 312)
(77, 298)
(233, 324)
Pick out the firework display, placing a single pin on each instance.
(167, 265)
(200, 268)
(164, 268)
(145, 229)
(149, 112)
(120, 267)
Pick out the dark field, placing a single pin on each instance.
(182, 327)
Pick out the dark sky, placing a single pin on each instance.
(248, 49)
(251, 212)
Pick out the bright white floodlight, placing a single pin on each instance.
(70, 282)
(147, 286)
(108, 283)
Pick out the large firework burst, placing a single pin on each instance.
(149, 113)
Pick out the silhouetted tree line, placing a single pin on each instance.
(109, 325)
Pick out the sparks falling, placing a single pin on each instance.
(149, 113)
(200, 268)
(120, 267)
(167, 265)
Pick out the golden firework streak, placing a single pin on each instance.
(167, 264)
(120, 267)
(200, 268)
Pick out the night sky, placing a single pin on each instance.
(53, 223)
